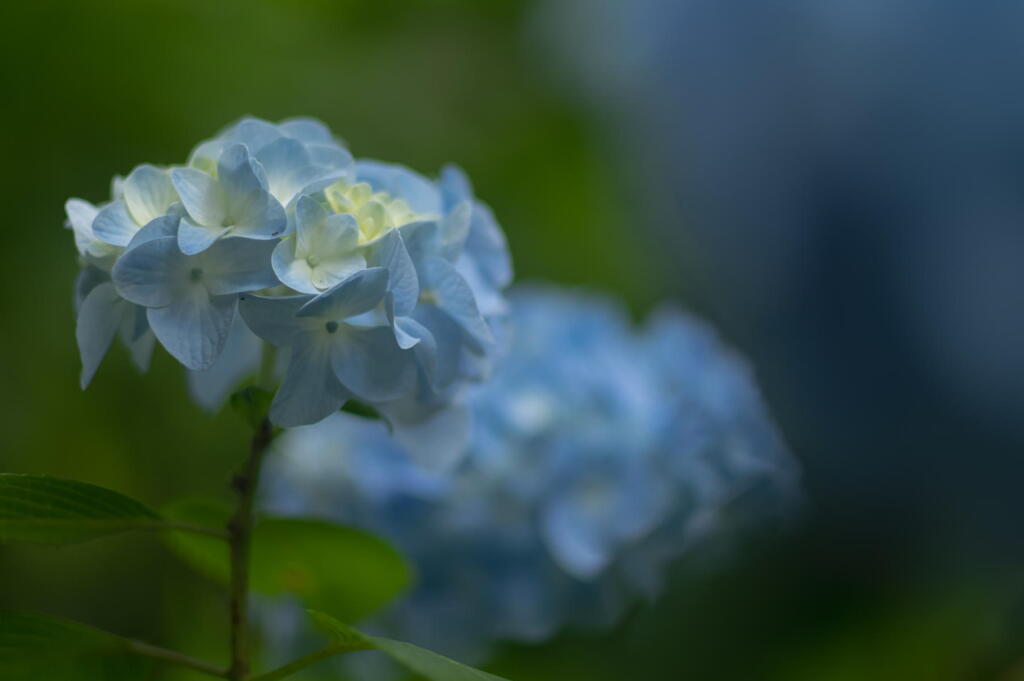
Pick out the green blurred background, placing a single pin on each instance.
(92, 88)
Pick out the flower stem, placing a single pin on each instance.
(173, 657)
(239, 539)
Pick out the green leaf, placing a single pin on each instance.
(34, 646)
(207, 554)
(358, 408)
(421, 661)
(326, 565)
(39, 508)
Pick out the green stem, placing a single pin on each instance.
(303, 662)
(173, 657)
(239, 539)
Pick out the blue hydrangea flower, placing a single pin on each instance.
(380, 284)
(596, 454)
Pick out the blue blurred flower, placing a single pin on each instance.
(596, 453)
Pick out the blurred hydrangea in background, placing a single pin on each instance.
(597, 454)
(380, 284)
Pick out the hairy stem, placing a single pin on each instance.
(239, 537)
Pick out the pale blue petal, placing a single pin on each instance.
(455, 186)
(115, 225)
(258, 215)
(309, 218)
(440, 357)
(161, 227)
(236, 172)
(283, 160)
(370, 364)
(195, 327)
(151, 273)
(254, 133)
(360, 293)
(334, 157)
(454, 229)
(194, 238)
(273, 319)
(98, 321)
(420, 193)
(309, 392)
(409, 334)
(201, 195)
(240, 358)
(148, 193)
(293, 272)
(422, 239)
(390, 253)
(308, 130)
(238, 265)
(453, 295)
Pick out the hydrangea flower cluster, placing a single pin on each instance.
(597, 454)
(379, 284)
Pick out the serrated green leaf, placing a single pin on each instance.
(326, 565)
(39, 508)
(421, 661)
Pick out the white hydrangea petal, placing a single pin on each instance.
(195, 326)
(195, 238)
(201, 195)
(273, 318)
(360, 293)
(235, 265)
(151, 273)
(293, 272)
(114, 224)
(80, 218)
(332, 271)
(309, 392)
(369, 362)
(99, 318)
(148, 193)
(309, 225)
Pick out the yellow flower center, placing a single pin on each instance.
(377, 213)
